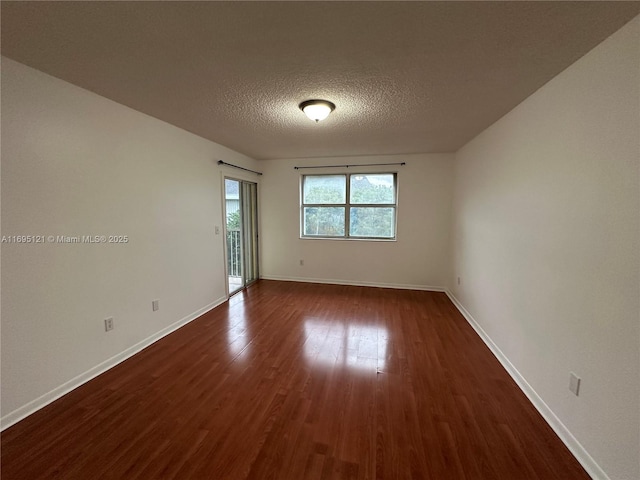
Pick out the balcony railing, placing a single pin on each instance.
(234, 261)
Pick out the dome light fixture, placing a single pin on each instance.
(317, 109)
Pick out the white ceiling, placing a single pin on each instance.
(406, 77)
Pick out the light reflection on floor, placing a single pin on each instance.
(361, 347)
(238, 338)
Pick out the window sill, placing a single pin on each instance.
(350, 239)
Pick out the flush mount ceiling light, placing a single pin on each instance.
(317, 109)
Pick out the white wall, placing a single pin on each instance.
(546, 243)
(419, 257)
(75, 163)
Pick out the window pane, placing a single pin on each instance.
(325, 189)
(372, 222)
(324, 221)
(372, 189)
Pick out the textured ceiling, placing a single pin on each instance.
(406, 77)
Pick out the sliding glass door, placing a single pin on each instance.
(241, 212)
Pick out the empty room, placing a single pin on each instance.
(320, 240)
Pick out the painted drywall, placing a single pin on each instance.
(418, 259)
(546, 244)
(75, 164)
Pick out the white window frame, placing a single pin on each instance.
(348, 205)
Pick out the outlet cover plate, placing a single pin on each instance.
(574, 383)
(108, 324)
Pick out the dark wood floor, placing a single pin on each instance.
(299, 381)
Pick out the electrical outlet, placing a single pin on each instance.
(155, 305)
(217, 230)
(108, 324)
(301, 262)
(574, 383)
(458, 280)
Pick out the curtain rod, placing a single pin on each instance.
(347, 166)
(220, 162)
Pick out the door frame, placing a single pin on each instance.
(241, 179)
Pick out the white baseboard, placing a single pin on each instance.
(44, 400)
(576, 448)
(330, 281)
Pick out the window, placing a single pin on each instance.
(357, 205)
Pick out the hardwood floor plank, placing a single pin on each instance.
(301, 382)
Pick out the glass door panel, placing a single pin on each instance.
(234, 234)
(250, 231)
